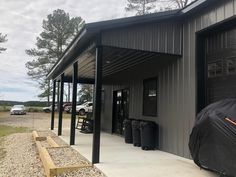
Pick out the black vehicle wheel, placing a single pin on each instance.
(47, 111)
(82, 112)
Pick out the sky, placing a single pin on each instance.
(21, 20)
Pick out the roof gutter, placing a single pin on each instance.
(192, 6)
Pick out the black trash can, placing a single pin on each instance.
(136, 133)
(148, 135)
(128, 131)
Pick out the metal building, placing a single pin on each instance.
(164, 67)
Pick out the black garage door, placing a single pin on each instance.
(221, 65)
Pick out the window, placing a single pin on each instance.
(215, 69)
(150, 97)
(231, 66)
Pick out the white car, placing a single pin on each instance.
(18, 109)
(84, 108)
(49, 108)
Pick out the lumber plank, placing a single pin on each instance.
(37, 137)
(51, 142)
(48, 164)
(60, 170)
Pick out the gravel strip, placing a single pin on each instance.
(84, 172)
(59, 141)
(70, 156)
(21, 158)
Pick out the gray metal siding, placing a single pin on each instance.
(161, 37)
(177, 81)
(214, 14)
(174, 105)
(186, 74)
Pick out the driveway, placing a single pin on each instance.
(34, 121)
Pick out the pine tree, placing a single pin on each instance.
(85, 93)
(141, 6)
(175, 3)
(181, 3)
(58, 31)
(3, 38)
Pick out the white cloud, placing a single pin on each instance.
(21, 21)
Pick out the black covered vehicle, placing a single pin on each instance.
(213, 139)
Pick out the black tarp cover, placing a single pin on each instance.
(213, 139)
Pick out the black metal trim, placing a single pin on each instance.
(201, 73)
(97, 104)
(74, 97)
(61, 105)
(79, 80)
(53, 104)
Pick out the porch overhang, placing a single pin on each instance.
(83, 46)
(115, 62)
(95, 55)
(111, 29)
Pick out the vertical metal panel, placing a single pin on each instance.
(234, 6)
(216, 13)
(151, 37)
(220, 13)
(229, 8)
(177, 81)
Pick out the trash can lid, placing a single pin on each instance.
(147, 124)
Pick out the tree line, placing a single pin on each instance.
(26, 103)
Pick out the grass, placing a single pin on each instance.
(7, 130)
(5, 108)
(34, 109)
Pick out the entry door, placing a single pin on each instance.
(120, 110)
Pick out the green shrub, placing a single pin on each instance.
(5, 108)
(34, 109)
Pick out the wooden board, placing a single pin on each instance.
(48, 164)
(51, 142)
(50, 168)
(60, 170)
(37, 137)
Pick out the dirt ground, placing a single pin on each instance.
(34, 121)
(18, 154)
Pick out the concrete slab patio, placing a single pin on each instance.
(124, 160)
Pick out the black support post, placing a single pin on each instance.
(74, 97)
(61, 105)
(53, 104)
(97, 106)
(58, 95)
